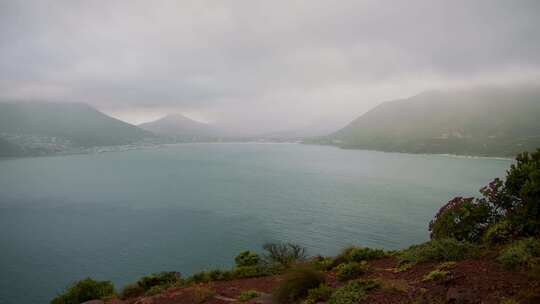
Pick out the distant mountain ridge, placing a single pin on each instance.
(489, 121)
(43, 127)
(178, 125)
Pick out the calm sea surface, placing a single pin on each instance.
(191, 207)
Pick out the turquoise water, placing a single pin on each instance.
(191, 207)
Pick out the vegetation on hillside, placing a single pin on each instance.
(35, 128)
(491, 121)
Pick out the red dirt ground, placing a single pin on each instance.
(480, 281)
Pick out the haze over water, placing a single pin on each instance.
(191, 207)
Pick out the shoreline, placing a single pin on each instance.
(124, 148)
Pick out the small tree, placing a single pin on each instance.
(85, 290)
(523, 184)
(464, 219)
(285, 254)
(498, 198)
(516, 201)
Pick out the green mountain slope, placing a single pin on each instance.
(73, 124)
(481, 121)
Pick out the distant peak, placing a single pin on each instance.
(178, 117)
(175, 116)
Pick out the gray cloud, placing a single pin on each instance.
(276, 64)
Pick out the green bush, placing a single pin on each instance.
(223, 275)
(435, 275)
(296, 284)
(403, 266)
(354, 292)
(347, 295)
(356, 254)
(365, 254)
(251, 272)
(132, 291)
(246, 258)
(349, 271)
(209, 276)
(284, 254)
(248, 295)
(447, 266)
(202, 294)
(159, 279)
(499, 233)
(322, 263)
(343, 257)
(319, 294)
(514, 203)
(523, 185)
(85, 290)
(154, 290)
(219, 275)
(199, 277)
(520, 254)
(438, 251)
(464, 219)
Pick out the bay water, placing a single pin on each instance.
(191, 207)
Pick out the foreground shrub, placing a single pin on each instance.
(202, 294)
(208, 276)
(343, 257)
(219, 275)
(354, 292)
(349, 271)
(447, 266)
(285, 254)
(248, 295)
(246, 258)
(236, 273)
(515, 202)
(365, 254)
(520, 254)
(523, 185)
(499, 233)
(435, 275)
(403, 266)
(251, 272)
(438, 251)
(319, 294)
(395, 285)
(464, 219)
(322, 263)
(296, 284)
(132, 291)
(163, 279)
(199, 277)
(357, 254)
(154, 290)
(85, 290)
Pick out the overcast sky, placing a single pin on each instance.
(266, 65)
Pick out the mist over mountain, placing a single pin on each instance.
(43, 127)
(500, 121)
(316, 128)
(182, 127)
